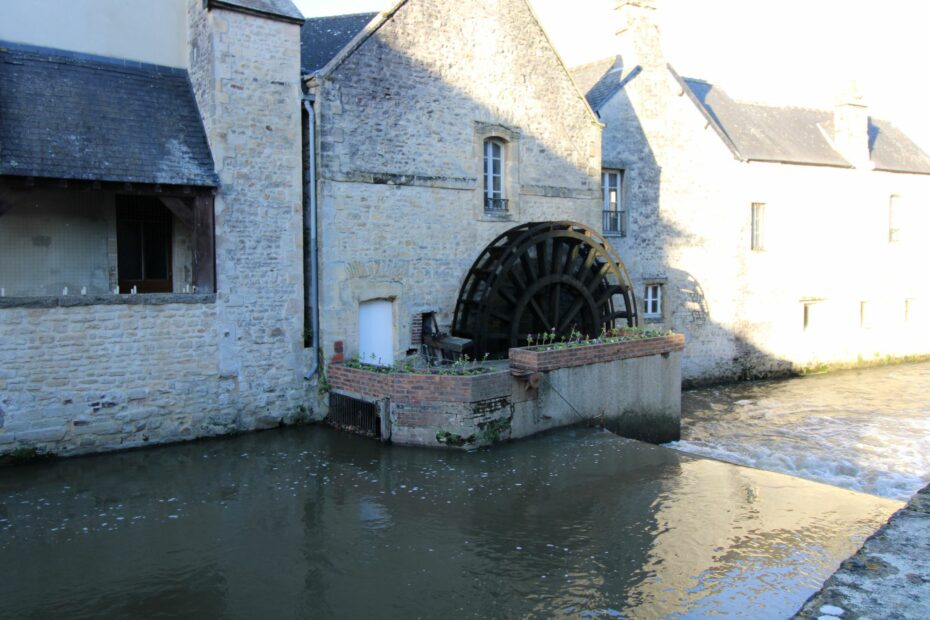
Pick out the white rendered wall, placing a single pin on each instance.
(152, 31)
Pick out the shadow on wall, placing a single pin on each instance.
(403, 125)
(714, 352)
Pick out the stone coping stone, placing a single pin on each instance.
(538, 359)
(72, 301)
(416, 388)
(889, 577)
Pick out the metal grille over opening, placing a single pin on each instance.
(555, 277)
(354, 415)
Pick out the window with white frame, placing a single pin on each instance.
(758, 221)
(652, 302)
(894, 219)
(615, 212)
(808, 315)
(865, 315)
(494, 154)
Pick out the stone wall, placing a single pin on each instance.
(826, 245)
(246, 76)
(81, 375)
(402, 121)
(96, 377)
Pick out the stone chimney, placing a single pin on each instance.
(851, 128)
(639, 36)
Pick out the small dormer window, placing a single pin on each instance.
(494, 154)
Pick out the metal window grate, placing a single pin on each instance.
(615, 223)
(354, 415)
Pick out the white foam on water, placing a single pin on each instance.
(867, 431)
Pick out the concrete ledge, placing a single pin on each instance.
(889, 577)
(74, 301)
(546, 358)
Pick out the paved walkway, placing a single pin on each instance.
(890, 575)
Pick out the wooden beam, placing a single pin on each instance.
(204, 267)
(180, 209)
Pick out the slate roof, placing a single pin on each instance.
(599, 80)
(283, 10)
(321, 38)
(768, 133)
(756, 132)
(893, 151)
(66, 115)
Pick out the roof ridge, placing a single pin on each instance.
(82, 57)
(358, 14)
(594, 62)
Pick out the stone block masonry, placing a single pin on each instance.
(109, 374)
(402, 123)
(92, 378)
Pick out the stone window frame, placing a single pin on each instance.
(509, 138)
(622, 219)
(659, 300)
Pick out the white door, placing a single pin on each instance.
(376, 332)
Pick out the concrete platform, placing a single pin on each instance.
(890, 575)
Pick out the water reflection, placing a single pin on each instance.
(866, 430)
(312, 523)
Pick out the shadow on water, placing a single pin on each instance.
(310, 522)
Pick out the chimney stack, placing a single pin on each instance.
(851, 128)
(639, 36)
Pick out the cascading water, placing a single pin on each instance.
(865, 430)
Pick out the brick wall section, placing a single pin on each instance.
(411, 388)
(530, 359)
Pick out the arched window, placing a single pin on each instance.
(494, 154)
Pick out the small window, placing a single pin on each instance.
(494, 153)
(143, 245)
(653, 301)
(865, 315)
(894, 219)
(758, 221)
(615, 212)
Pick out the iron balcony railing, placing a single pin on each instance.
(615, 223)
(495, 205)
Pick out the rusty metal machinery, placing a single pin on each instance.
(539, 278)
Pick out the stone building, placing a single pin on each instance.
(774, 238)
(187, 228)
(440, 126)
(151, 247)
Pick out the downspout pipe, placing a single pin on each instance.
(310, 193)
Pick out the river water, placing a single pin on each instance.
(311, 523)
(865, 430)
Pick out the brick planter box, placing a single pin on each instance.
(413, 388)
(538, 359)
(440, 411)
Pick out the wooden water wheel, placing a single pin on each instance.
(539, 278)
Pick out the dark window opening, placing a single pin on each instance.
(143, 241)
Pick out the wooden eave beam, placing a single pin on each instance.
(180, 209)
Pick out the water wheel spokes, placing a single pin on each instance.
(552, 277)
